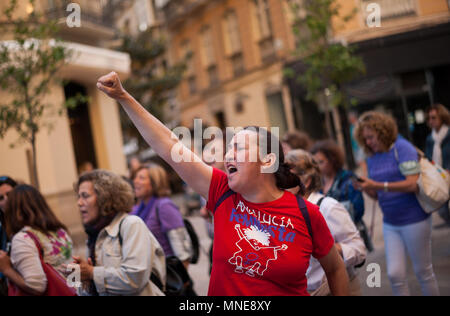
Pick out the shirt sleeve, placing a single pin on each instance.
(344, 232)
(169, 216)
(408, 158)
(26, 260)
(322, 239)
(218, 187)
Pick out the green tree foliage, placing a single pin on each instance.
(152, 79)
(329, 63)
(30, 58)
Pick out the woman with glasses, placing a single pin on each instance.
(122, 252)
(6, 185)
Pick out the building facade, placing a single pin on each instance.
(235, 52)
(90, 133)
(405, 45)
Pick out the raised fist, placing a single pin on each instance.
(110, 84)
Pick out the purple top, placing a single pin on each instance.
(398, 208)
(169, 218)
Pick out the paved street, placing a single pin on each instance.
(441, 258)
(440, 252)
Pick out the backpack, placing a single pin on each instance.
(194, 241)
(177, 283)
(192, 236)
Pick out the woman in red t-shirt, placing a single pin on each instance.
(263, 243)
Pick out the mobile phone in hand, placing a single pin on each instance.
(354, 176)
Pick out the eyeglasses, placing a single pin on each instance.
(4, 196)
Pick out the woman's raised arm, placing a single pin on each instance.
(191, 168)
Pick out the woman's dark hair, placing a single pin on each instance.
(27, 207)
(285, 179)
(297, 140)
(332, 151)
(7, 180)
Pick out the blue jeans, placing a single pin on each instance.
(414, 240)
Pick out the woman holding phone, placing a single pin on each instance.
(393, 168)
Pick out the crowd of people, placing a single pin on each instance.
(296, 231)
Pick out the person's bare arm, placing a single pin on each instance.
(409, 185)
(191, 169)
(336, 273)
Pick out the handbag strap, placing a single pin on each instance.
(37, 243)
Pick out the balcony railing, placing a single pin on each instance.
(391, 9)
(177, 9)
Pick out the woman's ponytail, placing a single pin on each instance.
(287, 180)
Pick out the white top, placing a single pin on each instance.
(25, 257)
(344, 232)
(125, 269)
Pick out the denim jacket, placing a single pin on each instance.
(343, 191)
(124, 268)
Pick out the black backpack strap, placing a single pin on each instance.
(225, 196)
(305, 213)
(320, 201)
(119, 234)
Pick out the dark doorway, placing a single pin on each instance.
(441, 86)
(80, 127)
(220, 119)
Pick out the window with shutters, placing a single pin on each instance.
(232, 38)
(263, 30)
(188, 56)
(208, 54)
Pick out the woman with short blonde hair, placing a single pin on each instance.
(159, 212)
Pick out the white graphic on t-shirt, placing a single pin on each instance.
(254, 252)
(261, 236)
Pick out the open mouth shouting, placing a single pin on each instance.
(231, 168)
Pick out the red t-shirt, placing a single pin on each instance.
(262, 249)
